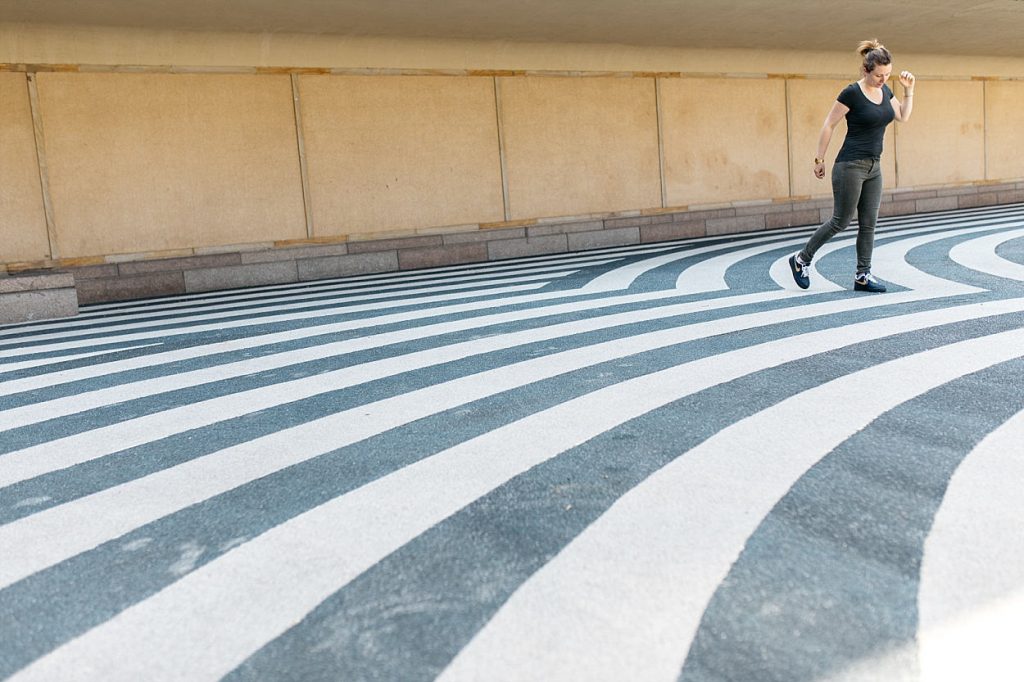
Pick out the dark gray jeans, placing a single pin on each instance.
(855, 185)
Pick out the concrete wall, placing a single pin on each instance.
(945, 142)
(158, 162)
(22, 220)
(227, 152)
(724, 139)
(389, 153)
(577, 146)
(1004, 134)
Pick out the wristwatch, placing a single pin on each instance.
(817, 160)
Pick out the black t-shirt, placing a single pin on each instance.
(865, 123)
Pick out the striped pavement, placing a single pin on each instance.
(653, 462)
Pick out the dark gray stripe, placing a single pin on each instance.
(430, 597)
(86, 590)
(831, 576)
(89, 477)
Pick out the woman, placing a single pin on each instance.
(869, 106)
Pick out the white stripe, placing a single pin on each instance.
(617, 279)
(58, 533)
(40, 459)
(177, 326)
(40, 362)
(891, 263)
(971, 596)
(146, 499)
(310, 293)
(655, 558)
(709, 275)
(980, 254)
(207, 606)
(889, 260)
(184, 316)
(57, 454)
(624, 276)
(420, 311)
(60, 407)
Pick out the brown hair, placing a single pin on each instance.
(873, 53)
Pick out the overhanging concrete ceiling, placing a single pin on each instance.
(993, 27)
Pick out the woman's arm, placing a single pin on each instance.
(904, 108)
(839, 110)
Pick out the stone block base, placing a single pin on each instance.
(123, 277)
(37, 296)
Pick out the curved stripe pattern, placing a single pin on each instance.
(971, 599)
(652, 462)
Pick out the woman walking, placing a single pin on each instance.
(869, 106)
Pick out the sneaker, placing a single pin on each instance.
(800, 276)
(865, 281)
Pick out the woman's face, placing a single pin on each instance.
(877, 77)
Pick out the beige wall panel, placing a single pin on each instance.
(22, 220)
(809, 103)
(944, 142)
(1004, 112)
(575, 146)
(147, 162)
(724, 140)
(395, 152)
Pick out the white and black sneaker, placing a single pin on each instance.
(865, 281)
(799, 270)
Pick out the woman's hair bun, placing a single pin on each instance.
(873, 53)
(867, 46)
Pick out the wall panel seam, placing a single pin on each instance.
(300, 138)
(503, 161)
(791, 166)
(984, 125)
(44, 171)
(661, 143)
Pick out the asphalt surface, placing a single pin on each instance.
(657, 462)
